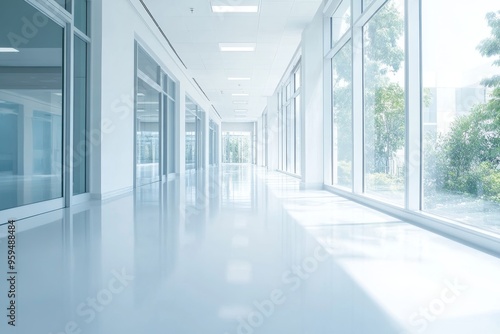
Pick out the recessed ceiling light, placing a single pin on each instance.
(237, 47)
(235, 9)
(240, 94)
(238, 78)
(240, 110)
(240, 102)
(8, 50)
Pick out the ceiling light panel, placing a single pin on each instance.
(235, 9)
(237, 47)
(240, 94)
(238, 78)
(8, 50)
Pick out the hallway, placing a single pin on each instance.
(243, 250)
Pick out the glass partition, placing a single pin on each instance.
(194, 135)
(147, 134)
(31, 109)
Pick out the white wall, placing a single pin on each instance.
(236, 126)
(112, 112)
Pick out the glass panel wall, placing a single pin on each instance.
(289, 124)
(452, 144)
(31, 108)
(297, 122)
(169, 112)
(147, 119)
(147, 127)
(461, 128)
(80, 114)
(384, 103)
(341, 21)
(214, 143)
(342, 117)
(194, 135)
(66, 4)
(147, 65)
(81, 10)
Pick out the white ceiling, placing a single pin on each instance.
(276, 29)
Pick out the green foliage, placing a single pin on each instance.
(344, 173)
(383, 34)
(384, 98)
(471, 151)
(383, 181)
(468, 158)
(342, 102)
(490, 47)
(389, 120)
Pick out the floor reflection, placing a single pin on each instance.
(241, 250)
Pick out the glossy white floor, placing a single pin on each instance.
(243, 251)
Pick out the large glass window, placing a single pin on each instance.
(341, 21)
(147, 65)
(194, 135)
(366, 3)
(237, 147)
(80, 149)
(289, 124)
(461, 128)
(342, 117)
(169, 111)
(31, 108)
(147, 134)
(81, 17)
(298, 136)
(214, 143)
(384, 103)
(290, 140)
(66, 4)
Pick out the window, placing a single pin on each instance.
(148, 66)
(289, 124)
(169, 112)
(341, 21)
(31, 110)
(81, 17)
(461, 133)
(214, 143)
(384, 103)
(342, 117)
(194, 135)
(80, 112)
(147, 134)
(366, 3)
(66, 4)
(237, 147)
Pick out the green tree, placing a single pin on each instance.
(490, 47)
(471, 150)
(389, 121)
(384, 109)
